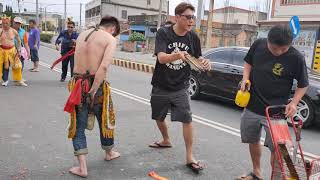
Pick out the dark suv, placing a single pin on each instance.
(223, 80)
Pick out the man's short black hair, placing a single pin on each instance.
(32, 21)
(280, 35)
(108, 21)
(182, 7)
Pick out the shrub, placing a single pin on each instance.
(136, 37)
(46, 37)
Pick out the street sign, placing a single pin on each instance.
(295, 26)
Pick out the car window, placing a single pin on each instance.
(238, 58)
(224, 56)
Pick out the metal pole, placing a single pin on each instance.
(37, 12)
(80, 16)
(270, 9)
(65, 15)
(160, 13)
(45, 19)
(199, 13)
(209, 24)
(19, 6)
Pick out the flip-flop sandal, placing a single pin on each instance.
(34, 70)
(250, 175)
(195, 167)
(158, 145)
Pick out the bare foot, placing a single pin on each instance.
(111, 155)
(77, 171)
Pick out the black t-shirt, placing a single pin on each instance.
(174, 76)
(272, 76)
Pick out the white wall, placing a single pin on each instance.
(117, 11)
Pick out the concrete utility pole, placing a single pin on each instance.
(45, 19)
(65, 15)
(270, 9)
(160, 14)
(209, 24)
(199, 13)
(19, 6)
(37, 12)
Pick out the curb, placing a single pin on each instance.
(148, 68)
(129, 64)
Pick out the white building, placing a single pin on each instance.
(121, 9)
(235, 15)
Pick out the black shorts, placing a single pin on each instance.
(177, 101)
(34, 55)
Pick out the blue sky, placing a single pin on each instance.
(73, 7)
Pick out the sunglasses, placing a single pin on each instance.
(70, 27)
(189, 17)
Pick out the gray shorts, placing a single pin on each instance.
(251, 126)
(177, 101)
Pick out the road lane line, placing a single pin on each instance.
(198, 119)
(194, 116)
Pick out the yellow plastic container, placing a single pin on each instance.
(243, 97)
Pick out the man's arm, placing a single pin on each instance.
(291, 108)
(37, 40)
(246, 75)
(167, 58)
(106, 61)
(301, 75)
(58, 41)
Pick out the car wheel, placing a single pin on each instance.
(305, 112)
(194, 88)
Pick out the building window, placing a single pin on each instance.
(87, 13)
(299, 2)
(124, 14)
(93, 12)
(97, 10)
(148, 2)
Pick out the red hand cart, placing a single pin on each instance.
(289, 162)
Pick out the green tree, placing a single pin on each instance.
(8, 12)
(135, 36)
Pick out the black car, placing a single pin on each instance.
(223, 82)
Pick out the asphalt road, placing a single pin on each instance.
(34, 144)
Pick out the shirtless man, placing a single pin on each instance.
(9, 54)
(93, 55)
